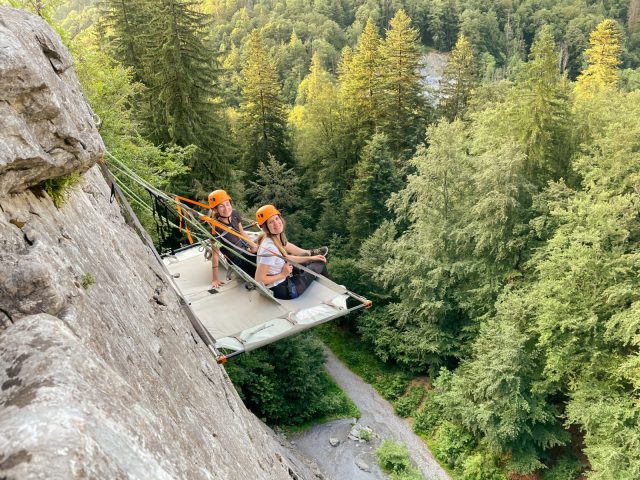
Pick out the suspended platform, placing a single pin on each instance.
(243, 315)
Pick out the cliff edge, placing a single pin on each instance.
(101, 373)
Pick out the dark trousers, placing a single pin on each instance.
(243, 262)
(295, 285)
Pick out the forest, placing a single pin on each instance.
(493, 217)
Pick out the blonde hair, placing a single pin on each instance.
(279, 240)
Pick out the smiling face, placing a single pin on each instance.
(275, 225)
(224, 209)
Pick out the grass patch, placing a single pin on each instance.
(87, 280)
(389, 380)
(338, 406)
(58, 188)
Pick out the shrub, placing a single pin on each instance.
(409, 402)
(394, 459)
(566, 468)
(391, 386)
(453, 444)
(481, 466)
(429, 417)
(58, 188)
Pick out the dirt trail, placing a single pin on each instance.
(340, 462)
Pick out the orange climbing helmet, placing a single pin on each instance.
(265, 212)
(217, 197)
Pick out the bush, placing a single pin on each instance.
(566, 468)
(58, 188)
(453, 444)
(410, 401)
(429, 417)
(394, 459)
(481, 466)
(391, 386)
(285, 383)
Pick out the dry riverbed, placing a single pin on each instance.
(351, 458)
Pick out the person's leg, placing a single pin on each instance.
(303, 279)
(243, 262)
(281, 291)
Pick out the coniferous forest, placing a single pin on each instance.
(490, 210)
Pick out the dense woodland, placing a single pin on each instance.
(494, 218)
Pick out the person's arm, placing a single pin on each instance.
(215, 263)
(262, 273)
(252, 244)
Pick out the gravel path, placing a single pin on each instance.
(341, 462)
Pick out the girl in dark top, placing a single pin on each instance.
(237, 249)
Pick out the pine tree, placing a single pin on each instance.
(603, 57)
(375, 179)
(539, 113)
(360, 86)
(263, 116)
(180, 75)
(458, 79)
(402, 101)
(125, 21)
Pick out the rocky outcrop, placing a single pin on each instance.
(101, 373)
(47, 130)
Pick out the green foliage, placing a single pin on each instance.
(394, 459)
(458, 80)
(388, 380)
(263, 118)
(538, 115)
(87, 280)
(566, 468)
(275, 184)
(285, 383)
(429, 417)
(365, 435)
(407, 405)
(402, 103)
(482, 466)
(375, 179)
(60, 188)
(454, 444)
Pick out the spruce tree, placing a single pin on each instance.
(375, 179)
(180, 74)
(125, 22)
(263, 116)
(402, 100)
(458, 80)
(360, 86)
(603, 58)
(539, 113)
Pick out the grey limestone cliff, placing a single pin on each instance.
(101, 373)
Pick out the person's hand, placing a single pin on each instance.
(318, 258)
(216, 283)
(287, 269)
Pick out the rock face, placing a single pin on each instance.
(98, 377)
(47, 129)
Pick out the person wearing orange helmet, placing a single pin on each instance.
(237, 249)
(274, 250)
